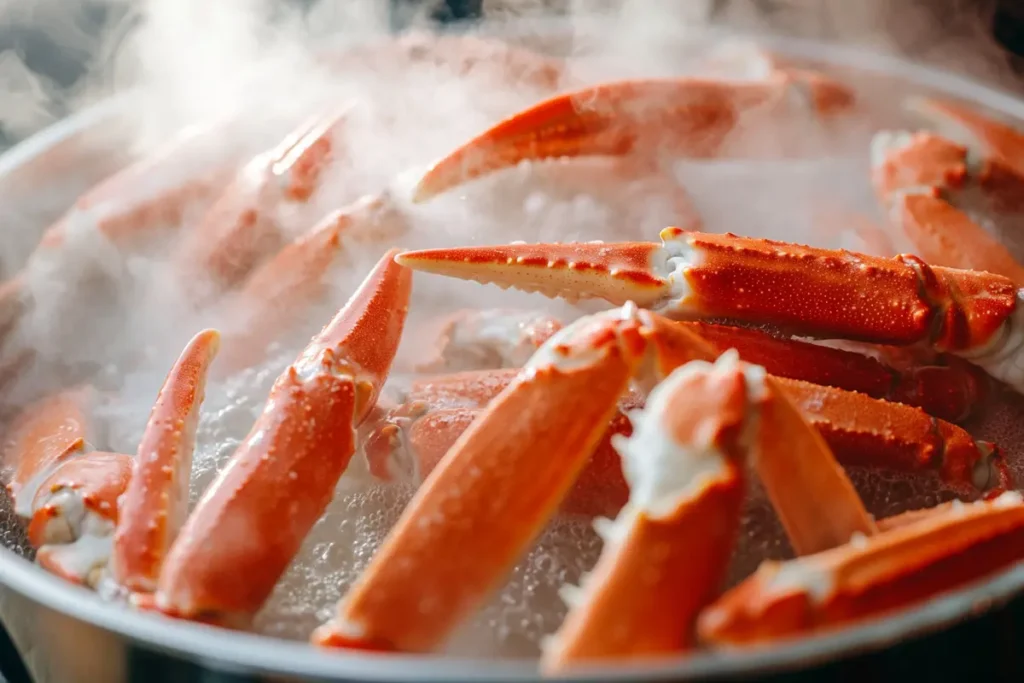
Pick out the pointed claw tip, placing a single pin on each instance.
(409, 259)
(369, 326)
(426, 260)
(210, 338)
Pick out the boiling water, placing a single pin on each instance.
(395, 130)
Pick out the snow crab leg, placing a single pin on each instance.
(820, 293)
(686, 468)
(918, 176)
(690, 118)
(995, 146)
(938, 550)
(951, 391)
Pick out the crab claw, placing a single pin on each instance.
(279, 293)
(253, 518)
(245, 225)
(155, 504)
(685, 465)
(917, 177)
(692, 118)
(996, 146)
(75, 513)
(798, 290)
(914, 560)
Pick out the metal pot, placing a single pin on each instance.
(66, 634)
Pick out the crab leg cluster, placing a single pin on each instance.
(73, 496)
(495, 490)
(280, 479)
(720, 361)
(795, 290)
(246, 202)
(684, 467)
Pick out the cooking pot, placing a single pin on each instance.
(65, 634)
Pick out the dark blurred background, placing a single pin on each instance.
(48, 46)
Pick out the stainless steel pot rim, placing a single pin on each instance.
(227, 650)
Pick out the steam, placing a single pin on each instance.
(258, 68)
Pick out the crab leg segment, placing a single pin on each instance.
(685, 465)
(244, 225)
(472, 389)
(499, 485)
(912, 561)
(800, 290)
(688, 117)
(155, 504)
(866, 431)
(253, 518)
